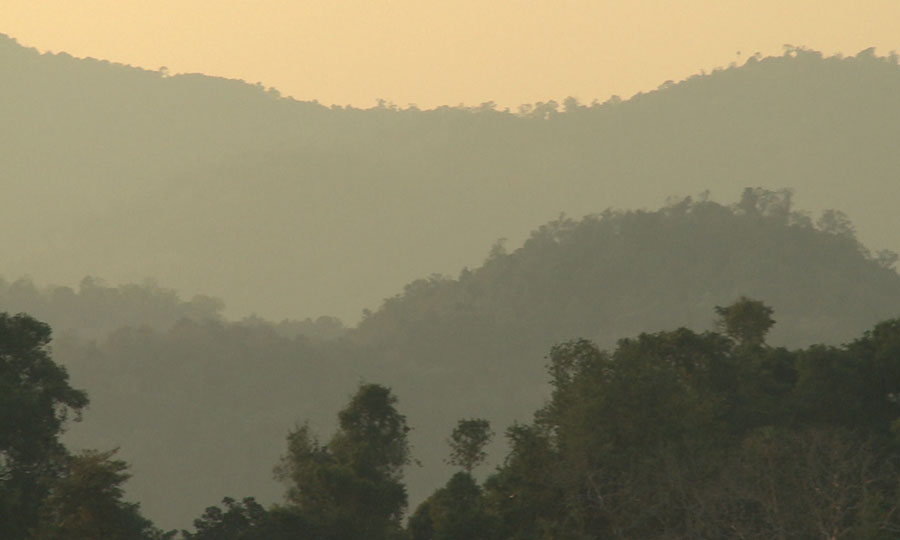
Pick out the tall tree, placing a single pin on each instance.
(746, 321)
(352, 487)
(85, 503)
(35, 401)
(456, 511)
(467, 443)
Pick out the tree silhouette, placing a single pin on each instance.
(467, 443)
(35, 399)
(746, 321)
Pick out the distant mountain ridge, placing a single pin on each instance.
(131, 174)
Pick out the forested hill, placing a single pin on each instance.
(226, 393)
(292, 209)
(610, 274)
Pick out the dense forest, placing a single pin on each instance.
(292, 210)
(671, 434)
(179, 374)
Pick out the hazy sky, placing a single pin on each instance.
(447, 52)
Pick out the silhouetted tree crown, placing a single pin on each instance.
(746, 321)
(35, 401)
(467, 442)
(352, 486)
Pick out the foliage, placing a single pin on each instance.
(352, 487)
(467, 443)
(35, 400)
(151, 389)
(672, 434)
(699, 436)
(746, 321)
(454, 511)
(85, 503)
(45, 492)
(248, 520)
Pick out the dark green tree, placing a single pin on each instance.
(85, 503)
(746, 321)
(372, 434)
(248, 520)
(698, 436)
(524, 495)
(35, 401)
(352, 487)
(456, 511)
(467, 443)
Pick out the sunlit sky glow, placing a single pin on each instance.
(432, 53)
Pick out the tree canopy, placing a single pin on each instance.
(678, 434)
(46, 493)
(35, 401)
(352, 487)
(467, 443)
(671, 434)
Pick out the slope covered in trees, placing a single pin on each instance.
(687, 435)
(225, 392)
(292, 209)
(608, 274)
(671, 434)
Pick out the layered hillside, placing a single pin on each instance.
(291, 209)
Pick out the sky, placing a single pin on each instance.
(430, 53)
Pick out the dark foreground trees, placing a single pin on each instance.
(455, 510)
(248, 520)
(35, 400)
(45, 492)
(672, 435)
(352, 486)
(348, 488)
(680, 435)
(85, 503)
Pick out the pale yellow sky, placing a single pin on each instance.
(440, 52)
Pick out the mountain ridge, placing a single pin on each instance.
(153, 176)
